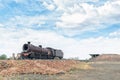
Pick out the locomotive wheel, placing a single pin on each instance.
(56, 58)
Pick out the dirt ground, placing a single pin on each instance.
(99, 71)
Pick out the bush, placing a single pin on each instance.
(3, 57)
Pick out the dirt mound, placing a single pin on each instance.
(107, 57)
(9, 67)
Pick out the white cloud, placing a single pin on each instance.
(88, 17)
(12, 40)
(26, 21)
(19, 1)
(115, 34)
(49, 6)
(65, 4)
(77, 17)
(1, 25)
(109, 8)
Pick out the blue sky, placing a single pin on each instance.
(78, 27)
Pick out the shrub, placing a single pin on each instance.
(3, 57)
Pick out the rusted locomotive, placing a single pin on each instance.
(37, 52)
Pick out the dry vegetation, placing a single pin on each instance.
(107, 57)
(58, 70)
(13, 67)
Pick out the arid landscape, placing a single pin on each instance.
(58, 70)
(59, 39)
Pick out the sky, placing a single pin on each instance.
(77, 27)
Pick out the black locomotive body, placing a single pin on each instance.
(37, 52)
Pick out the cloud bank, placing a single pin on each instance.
(79, 28)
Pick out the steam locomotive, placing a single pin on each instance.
(37, 52)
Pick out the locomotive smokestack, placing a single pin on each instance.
(28, 42)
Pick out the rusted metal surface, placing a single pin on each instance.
(30, 47)
(37, 52)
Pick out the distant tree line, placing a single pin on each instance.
(3, 56)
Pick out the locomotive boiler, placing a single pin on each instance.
(37, 52)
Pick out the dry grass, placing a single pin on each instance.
(1, 78)
(10, 67)
(79, 71)
(34, 67)
(82, 66)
